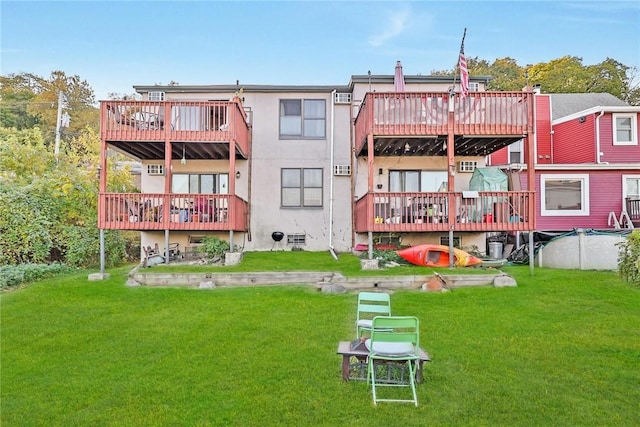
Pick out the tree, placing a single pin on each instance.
(48, 209)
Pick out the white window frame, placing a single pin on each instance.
(584, 196)
(625, 189)
(634, 128)
(304, 119)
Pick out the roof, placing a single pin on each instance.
(299, 88)
(566, 104)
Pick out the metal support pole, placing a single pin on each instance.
(102, 261)
(531, 254)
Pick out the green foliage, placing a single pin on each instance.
(14, 275)
(48, 209)
(562, 75)
(213, 246)
(629, 258)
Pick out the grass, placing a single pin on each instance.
(561, 349)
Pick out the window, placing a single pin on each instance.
(630, 187)
(302, 118)
(296, 239)
(414, 181)
(564, 195)
(301, 188)
(515, 152)
(625, 129)
(200, 183)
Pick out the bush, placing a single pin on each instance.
(14, 275)
(213, 246)
(629, 258)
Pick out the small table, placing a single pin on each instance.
(360, 353)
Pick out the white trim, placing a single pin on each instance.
(593, 110)
(584, 190)
(634, 128)
(625, 192)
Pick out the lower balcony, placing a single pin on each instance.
(147, 211)
(442, 211)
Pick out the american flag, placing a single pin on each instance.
(464, 73)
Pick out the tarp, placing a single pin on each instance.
(489, 179)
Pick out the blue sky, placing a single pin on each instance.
(117, 44)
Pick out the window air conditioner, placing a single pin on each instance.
(342, 98)
(155, 169)
(156, 96)
(467, 166)
(342, 170)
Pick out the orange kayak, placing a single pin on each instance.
(431, 255)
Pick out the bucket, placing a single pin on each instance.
(495, 250)
(488, 217)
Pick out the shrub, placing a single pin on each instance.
(213, 246)
(629, 258)
(14, 275)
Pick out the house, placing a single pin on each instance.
(323, 167)
(587, 162)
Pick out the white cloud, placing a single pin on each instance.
(398, 22)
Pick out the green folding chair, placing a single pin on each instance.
(394, 341)
(371, 304)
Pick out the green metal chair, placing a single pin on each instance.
(394, 341)
(371, 304)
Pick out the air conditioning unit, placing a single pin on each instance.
(342, 98)
(342, 170)
(467, 166)
(155, 169)
(156, 96)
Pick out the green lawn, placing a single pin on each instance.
(561, 349)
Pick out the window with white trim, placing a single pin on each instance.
(630, 187)
(564, 194)
(302, 118)
(203, 183)
(301, 188)
(625, 129)
(417, 180)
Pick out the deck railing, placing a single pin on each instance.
(146, 211)
(427, 113)
(425, 212)
(633, 209)
(175, 120)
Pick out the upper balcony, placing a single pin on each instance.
(141, 128)
(483, 122)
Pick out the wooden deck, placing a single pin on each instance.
(142, 127)
(429, 212)
(192, 212)
(480, 121)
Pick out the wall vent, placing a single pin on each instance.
(296, 239)
(342, 170)
(467, 166)
(156, 96)
(342, 98)
(155, 169)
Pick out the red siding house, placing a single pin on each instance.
(587, 162)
